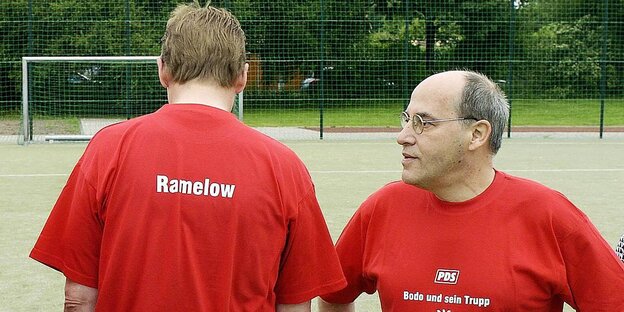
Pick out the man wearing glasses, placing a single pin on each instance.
(457, 235)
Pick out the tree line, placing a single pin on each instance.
(357, 48)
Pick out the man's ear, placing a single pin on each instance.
(241, 81)
(163, 73)
(481, 132)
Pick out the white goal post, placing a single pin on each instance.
(66, 82)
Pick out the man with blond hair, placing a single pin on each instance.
(187, 209)
(458, 235)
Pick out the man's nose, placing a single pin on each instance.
(406, 136)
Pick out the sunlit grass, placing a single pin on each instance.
(566, 112)
(524, 113)
(384, 114)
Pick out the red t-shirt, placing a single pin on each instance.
(187, 209)
(518, 246)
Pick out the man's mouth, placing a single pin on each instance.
(407, 158)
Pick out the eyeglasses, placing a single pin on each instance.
(418, 123)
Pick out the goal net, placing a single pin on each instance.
(71, 98)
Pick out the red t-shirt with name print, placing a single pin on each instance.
(187, 209)
(518, 246)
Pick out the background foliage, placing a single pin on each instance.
(357, 53)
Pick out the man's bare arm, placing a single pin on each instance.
(325, 306)
(301, 307)
(79, 298)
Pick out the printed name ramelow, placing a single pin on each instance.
(199, 188)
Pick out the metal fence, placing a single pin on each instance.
(561, 60)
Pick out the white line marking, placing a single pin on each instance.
(33, 175)
(504, 170)
(354, 171)
(566, 143)
(564, 170)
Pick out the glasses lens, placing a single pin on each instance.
(418, 123)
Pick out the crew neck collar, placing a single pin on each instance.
(481, 200)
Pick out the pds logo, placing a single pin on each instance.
(445, 276)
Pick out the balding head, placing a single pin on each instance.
(469, 94)
(446, 87)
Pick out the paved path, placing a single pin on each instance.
(89, 127)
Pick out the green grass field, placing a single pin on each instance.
(524, 113)
(356, 114)
(589, 171)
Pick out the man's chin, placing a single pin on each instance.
(411, 180)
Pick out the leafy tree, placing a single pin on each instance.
(13, 45)
(562, 40)
(364, 47)
(283, 34)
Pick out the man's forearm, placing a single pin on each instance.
(325, 306)
(301, 307)
(79, 298)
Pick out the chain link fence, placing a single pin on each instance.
(330, 64)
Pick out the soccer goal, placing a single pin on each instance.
(69, 98)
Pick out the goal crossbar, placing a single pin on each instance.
(27, 60)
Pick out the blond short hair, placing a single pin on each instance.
(204, 43)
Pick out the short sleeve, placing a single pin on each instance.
(309, 265)
(70, 239)
(350, 248)
(595, 274)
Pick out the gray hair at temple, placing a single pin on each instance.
(483, 99)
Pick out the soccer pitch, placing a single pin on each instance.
(589, 171)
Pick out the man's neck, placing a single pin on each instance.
(197, 92)
(466, 186)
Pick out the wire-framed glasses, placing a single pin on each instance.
(418, 123)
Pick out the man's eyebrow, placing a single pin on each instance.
(425, 115)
